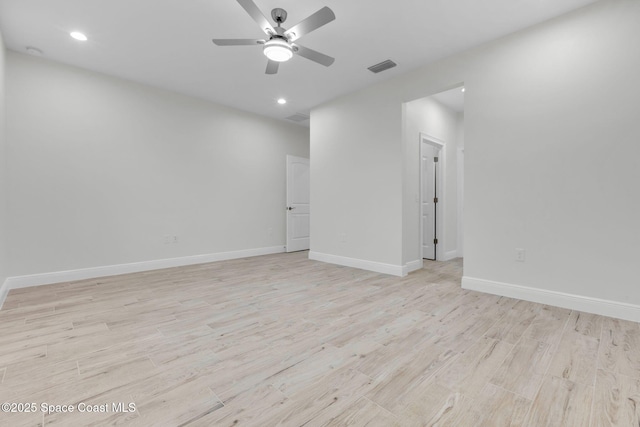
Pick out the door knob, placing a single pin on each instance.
(290, 208)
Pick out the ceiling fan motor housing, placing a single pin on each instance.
(279, 15)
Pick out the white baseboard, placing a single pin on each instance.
(378, 267)
(608, 308)
(412, 266)
(136, 267)
(448, 256)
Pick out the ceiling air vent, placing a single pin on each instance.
(298, 117)
(384, 65)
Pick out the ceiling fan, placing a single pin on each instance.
(280, 46)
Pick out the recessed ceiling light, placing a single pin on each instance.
(282, 101)
(78, 36)
(462, 90)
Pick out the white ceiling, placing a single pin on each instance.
(167, 43)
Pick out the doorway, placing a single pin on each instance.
(430, 194)
(434, 218)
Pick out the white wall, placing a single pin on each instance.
(552, 159)
(428, 116)
(3, 173)
(356, 190)
(460, 164)
(460, 130)
(101, 169)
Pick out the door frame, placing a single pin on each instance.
(440, 173)
(288, 201)
(460, 189)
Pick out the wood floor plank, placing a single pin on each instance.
(247, 409)
(548, 325)
(524, 368)
(391, 391)
(364, 413)
(515, 322)
(321, 401)
(22, 353)
(495, 407)
(9, 313)
(19, 377)
(296, 377)
(101, 413)
(616, 400)
(465, 332)
(396, 327)
(58, 337)
(27, 333)
(432, 405)
(165, 381)
(382, 361)
(237, 376)
(469, 372)
(360, 328)
(102, 344)
(31, 419)
(620, 347)
(561, 402)
(195, 400)
(585, 323)
(576, 358)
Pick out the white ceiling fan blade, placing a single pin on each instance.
(272, 67)
(237, 42)
(257, 16)
(313, 22)
(314, 55)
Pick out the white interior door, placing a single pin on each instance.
(429, 157)
(297, 204)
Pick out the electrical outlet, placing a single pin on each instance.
(270, 231)
(342, 237)
(520, 255)
(167, 239)
(175, 239)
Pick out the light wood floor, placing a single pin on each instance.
(281, 340)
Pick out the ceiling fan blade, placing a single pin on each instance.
(272, 67)
(313, 22)
(257, 16)
(314, 55)
(237, 42)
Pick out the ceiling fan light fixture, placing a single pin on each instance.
(278, 50)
